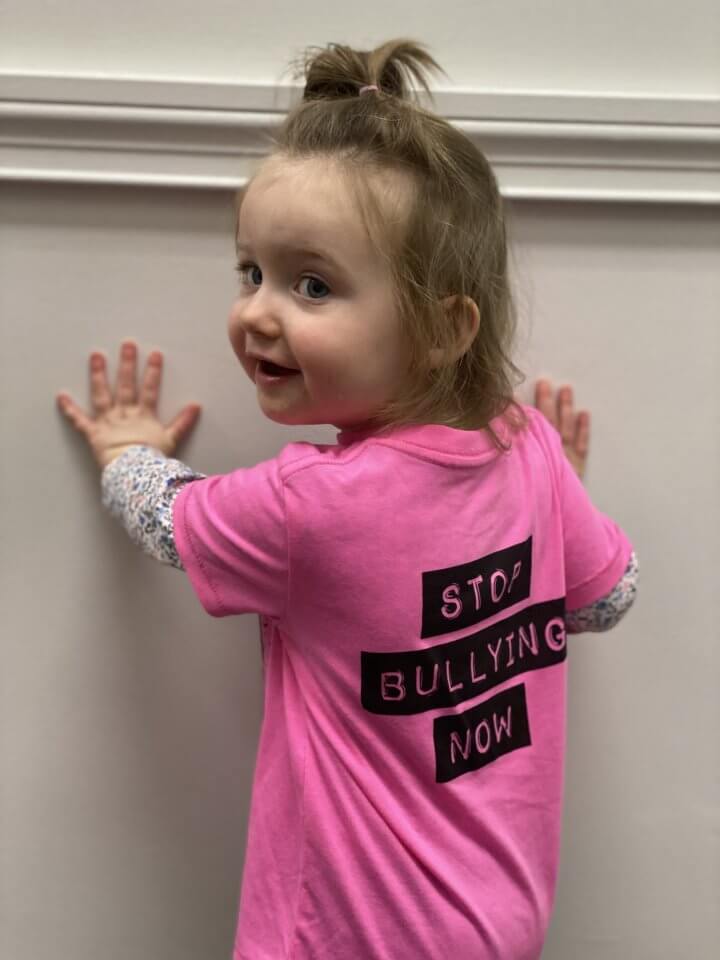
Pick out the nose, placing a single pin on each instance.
(256, 314)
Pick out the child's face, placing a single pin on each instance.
(339, 329)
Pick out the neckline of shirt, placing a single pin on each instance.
(434, 436)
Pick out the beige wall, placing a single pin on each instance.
(640, 46)
(130, 718)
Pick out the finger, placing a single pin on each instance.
(150, 389)
(100, 395)
(566, 417)
(582, 435)
(183, 423)
(75, 415)
(126, 385)
(544, 401)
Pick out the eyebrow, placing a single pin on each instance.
(287, 249)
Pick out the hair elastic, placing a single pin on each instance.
(370, 86)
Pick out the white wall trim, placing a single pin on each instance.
(210, 135)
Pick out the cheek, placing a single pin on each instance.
(235, 332)
(312, 352)
(236, 336)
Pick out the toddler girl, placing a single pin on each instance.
(416, 580)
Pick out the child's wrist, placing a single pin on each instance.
(106, 457)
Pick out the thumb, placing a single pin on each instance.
(181, 425)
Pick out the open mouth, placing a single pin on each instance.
(273, 370)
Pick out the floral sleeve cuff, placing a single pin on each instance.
(139, 488)
(608, 610)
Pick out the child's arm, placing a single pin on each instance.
(138, 488)
(573, 430)
(606, 612)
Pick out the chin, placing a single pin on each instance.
(281, 416)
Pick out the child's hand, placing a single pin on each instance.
(124, 420)
(574, 429)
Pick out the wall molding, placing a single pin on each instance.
(543, 145)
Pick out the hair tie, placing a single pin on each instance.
(370, 86)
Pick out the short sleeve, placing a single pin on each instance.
(596, 550)
(231, 534)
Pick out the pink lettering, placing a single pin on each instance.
(449, 595)
(499, 586)
(482, 736)
(394, 680)
(555, 628)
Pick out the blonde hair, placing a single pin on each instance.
(450, 239)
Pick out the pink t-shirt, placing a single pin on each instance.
(408, 788)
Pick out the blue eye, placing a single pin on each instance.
(241, 269)
(315, 280)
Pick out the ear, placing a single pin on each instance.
(464, 315)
